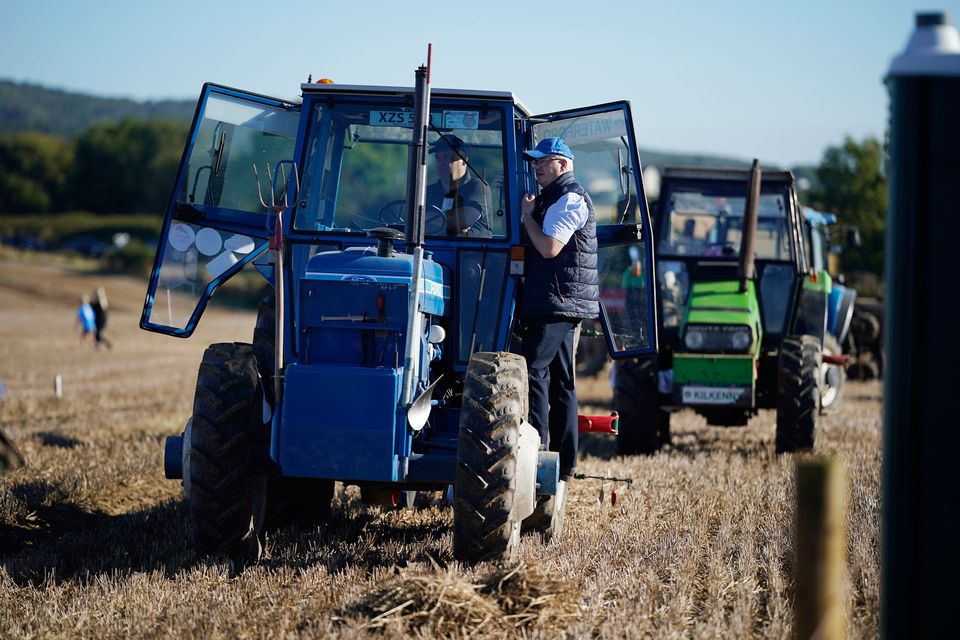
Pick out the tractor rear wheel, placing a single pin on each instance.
(264, 338)
(10, 458)
(227, 493)
(833, 376)
(494, 403)
(644, 426)
(798, 398)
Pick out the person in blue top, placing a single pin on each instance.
(87, 321)
(458, 203)
(561, 288)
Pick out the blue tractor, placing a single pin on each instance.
(841, 300)
(384, 354)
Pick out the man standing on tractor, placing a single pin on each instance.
(561, 288)
(462, 199)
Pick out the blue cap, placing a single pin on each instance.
(448, 143)
(549, 147)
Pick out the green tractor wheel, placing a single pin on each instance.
(227, 497)
(798, 398)
(486, 485)
(644, 426)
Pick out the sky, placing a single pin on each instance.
(780, 81)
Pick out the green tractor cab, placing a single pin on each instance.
(742, 313)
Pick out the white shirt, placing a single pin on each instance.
(565, 216)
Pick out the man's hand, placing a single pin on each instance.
(547, 246)
(527, 205)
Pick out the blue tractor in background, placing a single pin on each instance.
(384, 355)
(823, 256)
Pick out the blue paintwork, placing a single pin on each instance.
(841, 299)
(339, 422)
(819, 217)
(361, 265)
(548, 472)
(173, 457)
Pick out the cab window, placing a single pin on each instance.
(708, 222)
(234, 136)
(356, 169)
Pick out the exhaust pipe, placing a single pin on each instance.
(746, 266)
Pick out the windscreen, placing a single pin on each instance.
(356, 169)
(706, 220)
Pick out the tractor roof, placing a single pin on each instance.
(733, 175)
(357, 89)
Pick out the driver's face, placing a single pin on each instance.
(449, 167)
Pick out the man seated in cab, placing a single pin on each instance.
(458, 203)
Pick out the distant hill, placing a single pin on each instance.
(661, 159)
(30, 107)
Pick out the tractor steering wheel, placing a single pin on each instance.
(392, 212)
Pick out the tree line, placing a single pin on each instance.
(129, 167)
(852, 183)
(116, 167)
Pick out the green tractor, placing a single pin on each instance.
(742, 312)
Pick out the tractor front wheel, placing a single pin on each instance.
(227, 493)
(486, 485)
(798, 397)
(644, 426)
(833, 376)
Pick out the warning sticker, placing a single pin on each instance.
(461, 119)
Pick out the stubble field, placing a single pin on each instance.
(94, 541)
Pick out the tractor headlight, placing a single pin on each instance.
(740, 339)
(723, 338)
(694, 338)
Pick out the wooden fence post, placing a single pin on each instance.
(821, 538)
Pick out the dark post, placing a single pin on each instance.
(921, 486)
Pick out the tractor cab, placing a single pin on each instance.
(340, 156)
(701, 222)
(386, 221)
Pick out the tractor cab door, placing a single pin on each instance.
(237, 158)
(607, 165)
